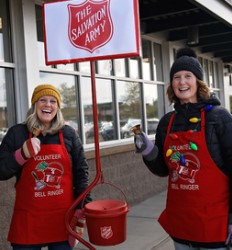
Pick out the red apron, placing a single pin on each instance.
(198, 193)
(43, 195)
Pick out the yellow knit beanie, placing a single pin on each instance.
(46, 89)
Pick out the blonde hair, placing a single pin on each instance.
(203, 92)
(32, 121)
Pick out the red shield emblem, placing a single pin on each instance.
(90, 24)
(106, 232)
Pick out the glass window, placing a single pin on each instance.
(151, 103)
(40, 37)
(134, 67)
(66, 86)
(87, 109)
(230, 98)
(6, 101)
(216, 71)
(105, 110)
(3, 105)
(5, 44)
(211, 75)
(68, 66)
(40, 47)
(1, 42)
(104, 67)
(129, 103)
(120, 67)
(205, 70)
(7, 105)
(158, 63)
(84, 67)
(146, 60)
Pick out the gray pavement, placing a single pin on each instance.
(143, 230)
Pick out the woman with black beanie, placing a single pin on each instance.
(193, 147)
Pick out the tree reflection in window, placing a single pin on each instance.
(129, 103)
(69, 105)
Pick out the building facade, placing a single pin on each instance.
(129, 90)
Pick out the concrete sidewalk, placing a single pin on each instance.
(143, 230)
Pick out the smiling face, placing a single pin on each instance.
(184, 84)
(46, 109)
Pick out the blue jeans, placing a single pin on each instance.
(58, 246)
(179, 246)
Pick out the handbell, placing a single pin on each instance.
(136, 129)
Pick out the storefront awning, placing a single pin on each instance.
(205, 25)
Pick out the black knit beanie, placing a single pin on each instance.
(186, 59)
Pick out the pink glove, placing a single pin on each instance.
(77, 224)
(30, 148)
(229, 235)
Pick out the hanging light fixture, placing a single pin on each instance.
(193, 35)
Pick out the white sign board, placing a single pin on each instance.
(92, 29)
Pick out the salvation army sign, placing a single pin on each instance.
(92, 29)
(92, 32)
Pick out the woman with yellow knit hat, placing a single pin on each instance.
(51, 170)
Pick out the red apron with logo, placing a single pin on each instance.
(198, 193)
(43, 195)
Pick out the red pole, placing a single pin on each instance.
(95, 121)
(98, 163)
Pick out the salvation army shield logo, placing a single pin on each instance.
(90, 24)
(106, 232)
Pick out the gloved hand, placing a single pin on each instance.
(77, 224)
(30, 148)
(229, 235)
(143, 144)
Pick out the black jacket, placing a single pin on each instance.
(18, 134)
(218, 132)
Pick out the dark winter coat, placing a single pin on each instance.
(18, 134)
(218, 132)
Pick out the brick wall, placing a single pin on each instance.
(7, 197)
(128, 173)
(130, 180)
